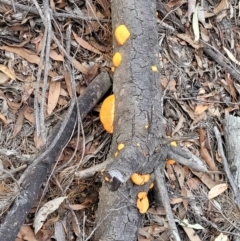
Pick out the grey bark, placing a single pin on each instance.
(38, 171)
(232, 138)
(138, 119)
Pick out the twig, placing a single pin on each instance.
(92, 170)
(186, 158)
(55, 15)
(162, 191)
(226, 167)
(10, 172)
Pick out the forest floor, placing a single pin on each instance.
(197, 90)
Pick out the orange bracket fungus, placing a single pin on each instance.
(117, 59)
(121, 34)
(107, 113)
(142, 202)
(140, 179)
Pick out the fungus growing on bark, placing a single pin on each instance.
(151, 186)
(154, 69)
(140, 179)
(142, 202)
(117, 59)
(107, 113)
(121, 34)
(121, 146)
(171, 161)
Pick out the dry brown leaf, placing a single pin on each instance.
(14, 105)
(157, 211)
(189, 40)
(26, 234)
(204, 34)
(231, 86)
(24, 53)
(85, 44)
(174, 3)
(205, 178)
(170, 172)
(3, 118)
(3, 78)
(58, 57)
(193, 183)
(204, 152)
(176, 200)
(37, 140)
(184, 193)
(105, 5)
(223, 5)
(29, 115)
(62, 101)
(200, 109)
(68, 83)
(19, 122)
(8, 72)
(217, 190)
(92, 72)
(53, 95)
(191, 234)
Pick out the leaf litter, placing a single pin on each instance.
(197, 91)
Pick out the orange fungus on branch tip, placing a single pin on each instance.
(107, 113)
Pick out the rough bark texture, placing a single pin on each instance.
(37, 172)
(138, 119)
(232, 138)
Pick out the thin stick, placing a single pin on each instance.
(162, 190)
(55, 15)
(226, 167)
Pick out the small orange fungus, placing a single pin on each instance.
(116, 154)
(121, 146)
(106, 179)
(112, 68)
(151, 186)
(143, 204)
(170, 162)
(142, 195)
(121, 34)
(117, 59)
(154, 68)
(107, 113)
(173, 143)
(140, 179)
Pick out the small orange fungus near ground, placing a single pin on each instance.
(107, 113)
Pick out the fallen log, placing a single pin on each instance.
(36, 173)
(138, 123)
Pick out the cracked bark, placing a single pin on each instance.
(138, 119)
